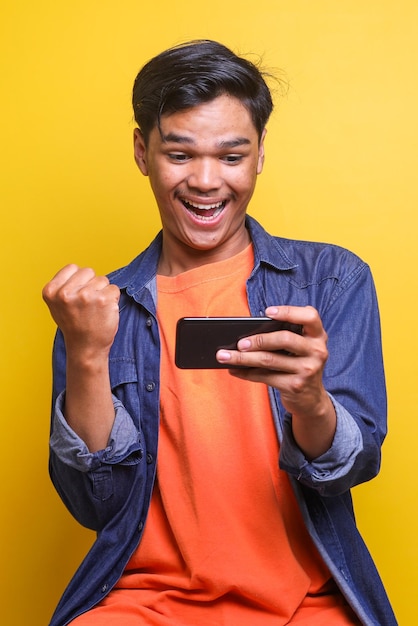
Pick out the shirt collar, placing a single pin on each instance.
(143, 269)
(267, 249)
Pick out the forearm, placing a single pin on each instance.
(314, 431)
(348, 461)
(89, 408)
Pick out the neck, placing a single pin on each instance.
(176, 261)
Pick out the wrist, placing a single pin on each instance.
(88, 360)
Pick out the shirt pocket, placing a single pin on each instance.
(124, 384)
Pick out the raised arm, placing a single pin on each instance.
(85, 308)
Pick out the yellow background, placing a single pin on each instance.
(341, 167)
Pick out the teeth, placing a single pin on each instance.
(204, 218)
(203, 207)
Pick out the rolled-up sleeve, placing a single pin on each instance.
(71, 450)
(332, 466)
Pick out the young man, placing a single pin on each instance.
(242, 513)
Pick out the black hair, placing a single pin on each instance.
(193, 73)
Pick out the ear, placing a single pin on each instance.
(260, 162)
(140, 151)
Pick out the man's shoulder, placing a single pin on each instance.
(303, 257)
(318, 273)
(316, 262)
(305, 249)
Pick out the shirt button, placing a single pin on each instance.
(150, 458)
(104, 588)
(150, 386)
(149, 322)
(140, 526)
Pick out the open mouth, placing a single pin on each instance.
(204, 211)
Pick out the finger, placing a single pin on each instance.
(257, 375)
(68, 279)
(84, 276)
(65, 273)
(260, 360)
(74, 284)
(112, 293)
(284, 341)
(307, 316)
(96, 292)
(83, 284)
(59, 279)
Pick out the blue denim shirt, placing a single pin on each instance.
(110, 491)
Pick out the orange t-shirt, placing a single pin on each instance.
(224, 543)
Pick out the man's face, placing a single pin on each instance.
(202, 168)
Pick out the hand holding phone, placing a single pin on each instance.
(199, 338)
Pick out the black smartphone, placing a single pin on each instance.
(199, 338)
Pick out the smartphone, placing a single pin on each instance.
(199, 338)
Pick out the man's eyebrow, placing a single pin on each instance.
(174, 138)
(224, 144)
(234, 143)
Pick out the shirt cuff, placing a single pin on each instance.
(335, 463)
(123, 446)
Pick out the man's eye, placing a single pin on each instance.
(232, 158)
(178, 156)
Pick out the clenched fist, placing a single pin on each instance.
(85, 308)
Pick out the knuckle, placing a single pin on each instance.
(104, 300)
(238, 358)
(259, 341)
(297, 385)
(285, 310)
(309, 371)
(322, 353)
(47, 292)
(287, 340)
(267, 359)
(311, 314)
(102, 281)
(65, 295)
(115, 291)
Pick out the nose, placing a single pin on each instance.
(205, 175)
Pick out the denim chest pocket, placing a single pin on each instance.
(122, 370)
(124, 383)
